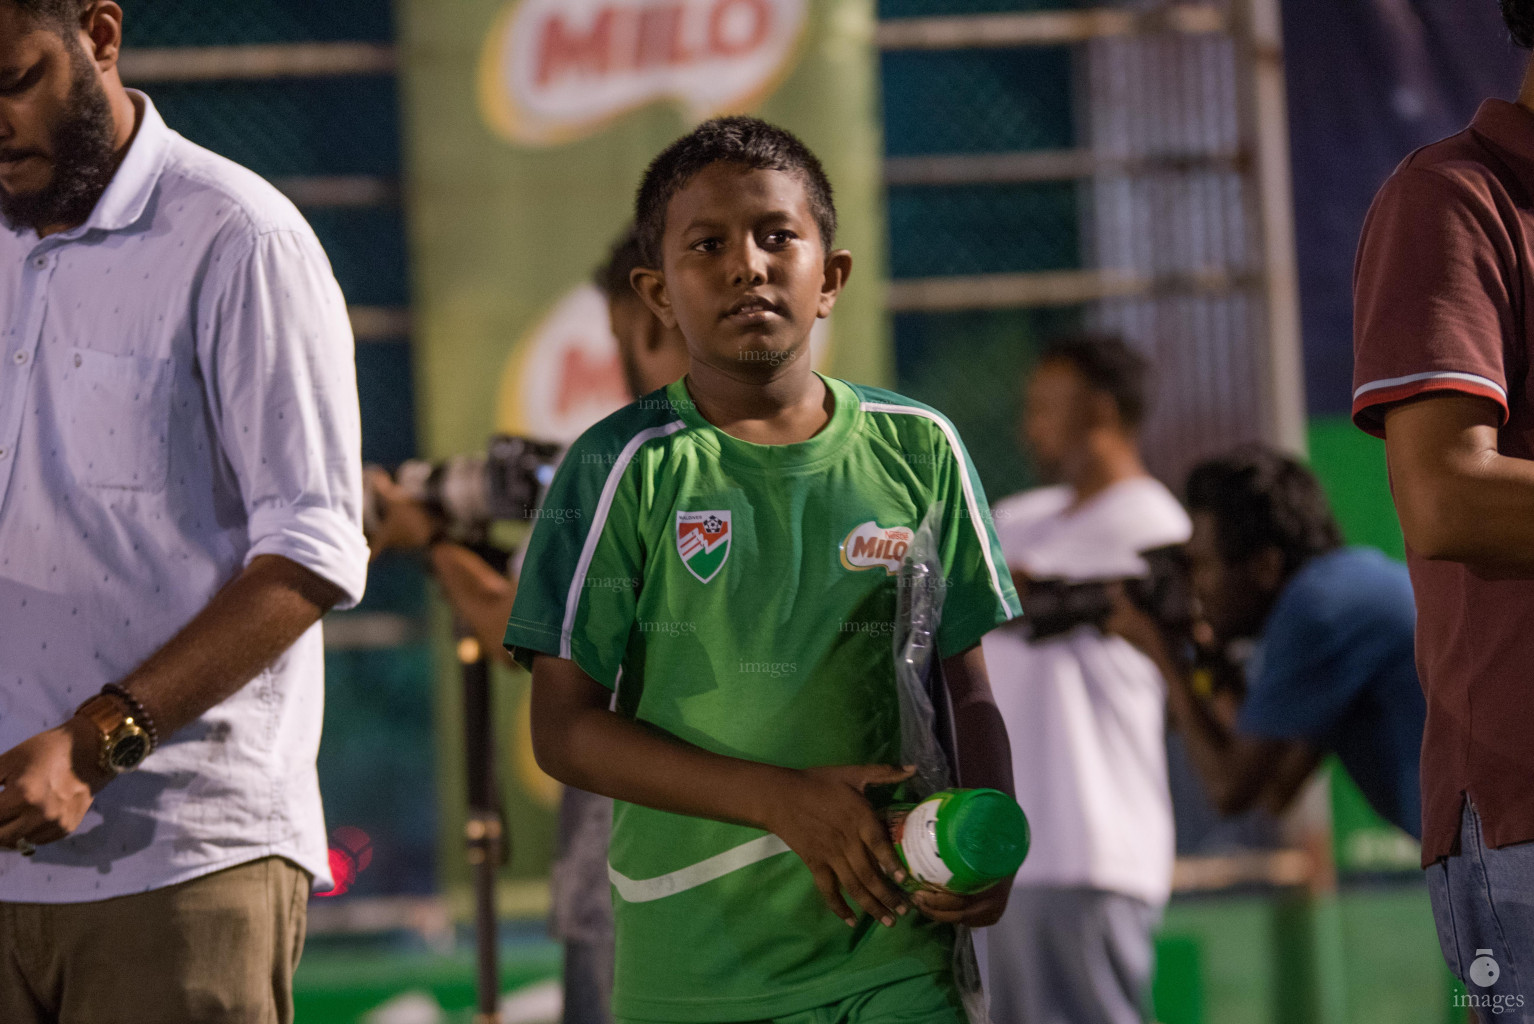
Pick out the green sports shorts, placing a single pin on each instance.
(925, 999)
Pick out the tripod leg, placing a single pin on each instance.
(484, 831)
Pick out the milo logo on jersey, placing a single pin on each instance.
(871, 546)
(703, 541)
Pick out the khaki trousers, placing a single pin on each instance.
(220, 949)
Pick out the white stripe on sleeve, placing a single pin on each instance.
(599, 522)
(1415, 378)
(964, 478)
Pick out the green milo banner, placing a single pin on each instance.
(529, 124)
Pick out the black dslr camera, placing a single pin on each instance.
(470, 492)
(1052, 607)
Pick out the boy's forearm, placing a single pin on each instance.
(603, 752)
(985, 753)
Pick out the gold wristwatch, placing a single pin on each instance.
(124, 742)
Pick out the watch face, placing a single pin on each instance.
(129, 751)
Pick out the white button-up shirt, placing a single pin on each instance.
(177, 396)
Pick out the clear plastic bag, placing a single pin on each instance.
(919, 610)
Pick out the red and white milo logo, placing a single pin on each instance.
(556, 70)
(566, 374)
(871, 546)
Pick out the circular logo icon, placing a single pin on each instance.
(1484, 971)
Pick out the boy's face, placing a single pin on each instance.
(744, 273)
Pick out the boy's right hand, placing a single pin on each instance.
(824, 817)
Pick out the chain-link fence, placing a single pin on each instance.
(291, 127)
(976, 101)
(247, 22)
(1113, 146)
(938, 8)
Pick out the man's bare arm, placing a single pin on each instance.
(245, 627)
(50, 780)
(1239, 772)
(479, 596)
(1458, 497)
(1288, 777)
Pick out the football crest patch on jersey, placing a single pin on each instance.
(871, 546)
(703, 541)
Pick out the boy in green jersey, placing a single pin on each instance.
(707, 605)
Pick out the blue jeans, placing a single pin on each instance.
(588, 982)
(1063, 955)
(1483, 905)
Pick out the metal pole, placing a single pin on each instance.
(484, 830)
(1265, 128)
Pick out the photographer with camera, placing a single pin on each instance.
(1085, 710)
(481, 595)
(1332, 668)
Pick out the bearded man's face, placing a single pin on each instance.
(56, 129)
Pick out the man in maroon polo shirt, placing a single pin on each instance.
(1444, 313)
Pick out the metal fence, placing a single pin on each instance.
(1167, 169)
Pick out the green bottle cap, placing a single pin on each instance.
(983, 836)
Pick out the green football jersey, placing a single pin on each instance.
(742, 597)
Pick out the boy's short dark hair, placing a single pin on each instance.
(1108, 364)
(1519, 17)
(613, 276)
(747, 141)
(61, 15)
(1260, 498)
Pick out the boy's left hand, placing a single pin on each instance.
(977, 910)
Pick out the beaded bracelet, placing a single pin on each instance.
(139, 714)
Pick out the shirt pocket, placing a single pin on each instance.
(117, 427)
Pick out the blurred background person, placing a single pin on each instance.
(481, 596)
(1085, 711)
(1328, 632)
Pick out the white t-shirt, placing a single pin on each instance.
(1086, 713)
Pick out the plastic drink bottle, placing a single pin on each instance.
(959, 840)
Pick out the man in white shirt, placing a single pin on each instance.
(1085, 711)
(179, 504)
